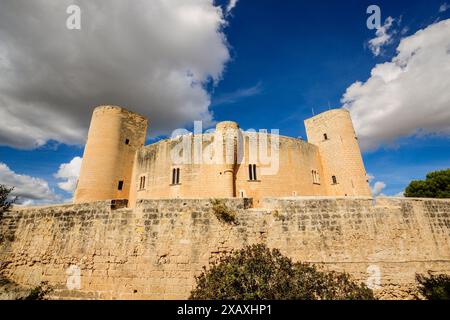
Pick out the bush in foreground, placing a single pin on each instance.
(434, 287)
(258, 273)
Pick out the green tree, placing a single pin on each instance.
(258, 273)
(436, 185)
(434, 287)
(5, 199)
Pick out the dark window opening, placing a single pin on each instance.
(176, 176)
(315, 177)
(325, 136)
(127, 141)
(120, 186)
(142, 183)
(334, 179)
(252, 172)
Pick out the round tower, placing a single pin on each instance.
(226, 137)
(333, 133)
(115, 134)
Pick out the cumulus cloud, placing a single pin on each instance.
(376, 187)
(383, 37)
(153, 57)
(69, 172)
(400, 194)
(30, 190)
(444, 7)
(231, 5)
(408, 96)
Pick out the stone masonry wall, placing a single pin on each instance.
(155, 251)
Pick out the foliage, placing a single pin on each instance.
(5, 201)
(436, 185)
(258, 273)
(434, 287)
(222, 212)
(38, 293)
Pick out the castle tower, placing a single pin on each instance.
(114, 136)
(226, 137)
(343, 166)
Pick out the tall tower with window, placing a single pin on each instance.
(333, 133)
(113, 138)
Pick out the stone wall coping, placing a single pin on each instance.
(60, 206)
(298, 199)
(209, 134)
(301, 198)
(414, 199)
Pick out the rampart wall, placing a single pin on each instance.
(155, 250)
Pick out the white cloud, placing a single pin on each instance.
(69, 172)
(377, 188)
(30, 190)
(408, 96)
(153, 57)
(400, 194)
(444, 7)
(233, 97)
(231, 5)
(383, 37)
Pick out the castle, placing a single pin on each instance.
(225, 163)
(99, 248)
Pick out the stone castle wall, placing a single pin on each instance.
(155, 250)
(293, 176)
(224, 164)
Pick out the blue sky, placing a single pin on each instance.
(287, 59)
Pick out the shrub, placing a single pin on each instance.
(434, 287)
(38, 293)
(222, 212)
(258, 273)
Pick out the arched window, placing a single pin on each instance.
(325, 136)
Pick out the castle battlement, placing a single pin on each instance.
(224, 164)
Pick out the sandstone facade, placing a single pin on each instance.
(155, 250)
(230, 163)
